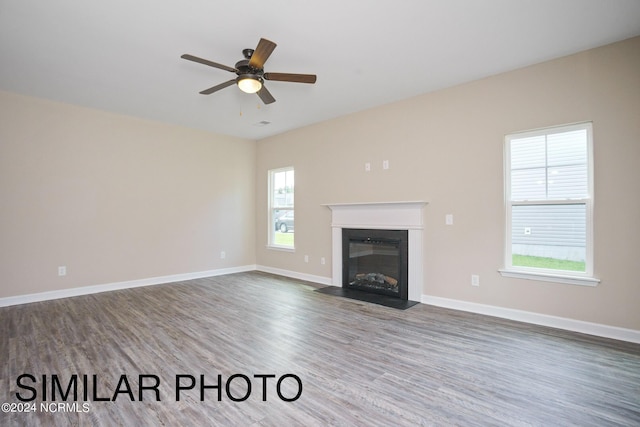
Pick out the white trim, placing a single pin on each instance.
(551, 277)
(390, 226)
(378, 215)
(86, 290)
(597, 329)
(510, 270)
(368, 205)
(295, 275)
(270, 208)
(281, 248)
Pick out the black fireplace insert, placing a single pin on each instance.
(375, 261)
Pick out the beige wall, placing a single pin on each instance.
(116, 198)
(447, 148)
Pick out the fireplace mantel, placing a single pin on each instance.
(386, 216)
(383, 215)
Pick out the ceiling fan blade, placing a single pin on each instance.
(261, 53)
(207, 62)
(218, 87)
(266, 96)
(287, 77)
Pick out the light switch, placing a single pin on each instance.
(475, 280)
(448, 219)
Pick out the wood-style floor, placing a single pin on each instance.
(360, 364)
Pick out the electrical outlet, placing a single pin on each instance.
(367, 167)
(385, 164)
(475, 280)
(323, 261)
(306, 258)
(223, 255)
(62, 270)
(448, 219)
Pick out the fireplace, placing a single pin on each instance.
(375, 261)
(379, 221)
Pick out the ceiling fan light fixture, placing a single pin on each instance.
(249, 83)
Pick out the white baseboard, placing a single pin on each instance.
(86, 290)
(589, 328)
(295, 275)
(596, 329)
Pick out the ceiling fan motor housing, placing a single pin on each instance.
(243, 67)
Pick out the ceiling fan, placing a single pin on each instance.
(250, 72)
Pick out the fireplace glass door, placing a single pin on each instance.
(375, 261)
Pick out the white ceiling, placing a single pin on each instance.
(124, 55)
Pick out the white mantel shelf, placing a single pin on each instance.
(384, 216)
(380, 215)
(340, 205)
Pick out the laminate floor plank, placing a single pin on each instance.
(360, 364)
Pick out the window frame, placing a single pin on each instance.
(536, 273)
(270, 214)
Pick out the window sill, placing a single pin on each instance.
(547, 277)
(281, 248)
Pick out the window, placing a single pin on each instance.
(281, 211)
(549, 202)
